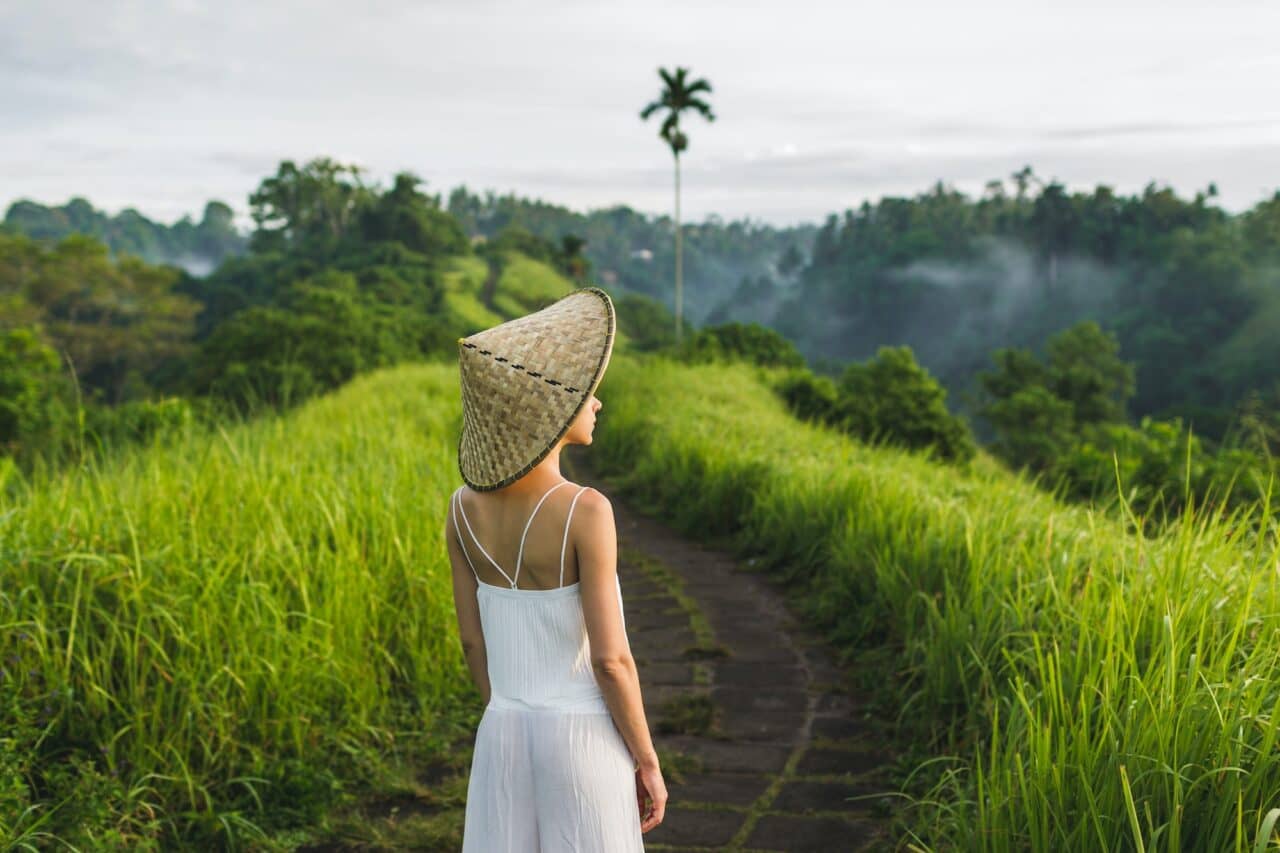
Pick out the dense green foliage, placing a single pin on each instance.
(748, 342)
(114, 319)
(212, 637)
(43, 420)
(647, 322)
(318, 334)
(633, 252)
(1067, 680)
(340, 278)
(1065, 419)
(195, 246)
(83, 340)
(890, 399)
(732, 268)
(1191, 293)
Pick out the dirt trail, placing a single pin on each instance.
(760, 738)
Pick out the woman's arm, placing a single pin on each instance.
(467, 608)
(596, 545)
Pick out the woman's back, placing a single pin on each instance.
(536, 642)
(550, 771)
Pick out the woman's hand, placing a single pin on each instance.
(651, 796)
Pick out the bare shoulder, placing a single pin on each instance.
(593, 519)
(595, 537)
(594, 502)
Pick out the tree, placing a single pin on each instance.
(1053, 223)
(1021, 179)
(1086, 371)
(678, 94)
(320, 333)
(791, 262)
(114, 320)
(750, 342)
(892, 398)
(407, 216)
(570, 259)
(1039, 409)
(31, 402)
(315, 202)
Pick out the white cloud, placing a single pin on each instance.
(819, 104)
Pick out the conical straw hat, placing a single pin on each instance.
(524, 382)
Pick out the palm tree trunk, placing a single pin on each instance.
(679, 313)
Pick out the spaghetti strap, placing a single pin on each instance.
(565, 543)
(478, 545)
(456, 502)
(520, 554)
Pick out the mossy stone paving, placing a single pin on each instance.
(763, 745)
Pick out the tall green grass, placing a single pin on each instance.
(1084, 687)
(203, 641)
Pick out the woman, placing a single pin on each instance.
(563, 758)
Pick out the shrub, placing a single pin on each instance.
(809, 397)
(750, 342)
(893, 397)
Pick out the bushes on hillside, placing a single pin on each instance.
(566, 257)
(141, 420)
(894, 396)
(1160, 465)
(414, 220)
(647, 323)
(1064, 419)
(116, 320)
(809, 396)
(750, 342)
(890, 398)
(34, 411)
(323, 332)
(41, 415)
(342, 278)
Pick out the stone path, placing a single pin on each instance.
(762, 744)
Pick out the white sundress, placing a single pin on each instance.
(550, 772)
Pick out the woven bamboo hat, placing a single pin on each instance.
(524, 382)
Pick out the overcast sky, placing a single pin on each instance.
(819, 105)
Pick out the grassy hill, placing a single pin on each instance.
(1071, 685)
(214, 637)
(524, 285)
(232, 625)
(218, 635)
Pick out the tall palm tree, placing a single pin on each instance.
(678, 94)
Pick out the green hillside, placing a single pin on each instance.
(523, 286)
(212, 637)
(231, 625)
(1078, 687)
(215, 637)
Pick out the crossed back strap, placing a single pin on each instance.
(457, 506)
